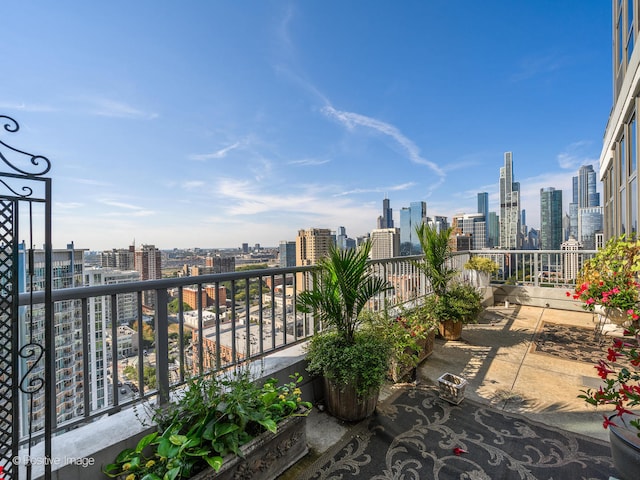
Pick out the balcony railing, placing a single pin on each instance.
(257, 319)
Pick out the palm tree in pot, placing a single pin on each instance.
(352, 360)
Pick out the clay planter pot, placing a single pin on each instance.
(399, 372)
(450, 330)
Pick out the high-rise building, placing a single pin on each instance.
(386, 220)
(410, 219)
(121, 258)
(509, 206)
(471, 225)
(287, 253)
(67, 272)
(619, 156)
(100, 318)
(550, 218)
(585, 197)
(589, 224)
(483, 208)
(385, 243)
(571, 259)
(311, 245)
(493, 230)
(148, 261)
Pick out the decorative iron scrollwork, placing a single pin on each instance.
(34, 352)
(12, 126)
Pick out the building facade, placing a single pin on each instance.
(386, 219)
(385, 243)
(619, 156)
(287, 253)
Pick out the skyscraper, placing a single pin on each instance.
(483, 208)
(550, 218)
(311, 245)
(385, 243)
(509, 206)
(287, 253)
(410, 219)
(386, 220)
(584, 196)
(148, 261)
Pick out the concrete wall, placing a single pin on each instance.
(536, 296)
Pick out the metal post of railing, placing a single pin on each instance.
(536, 269)
(162, 344)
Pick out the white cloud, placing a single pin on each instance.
(352, 120)
(308, 162)
(106, 107)
(574, 156)
(215, 155)
(27, 107)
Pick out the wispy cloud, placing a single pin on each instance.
(530, 67)
(393, 188)
(352, 120)
(68, 205)
(133, 210)
(308, 162)
(215, 155)
(575, 155)
(106, 107)
(27, 107)
(189, 185)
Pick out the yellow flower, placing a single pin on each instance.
(131, 476)
(150, 464)
(282, 397)
(297, 391)
(298, 399)
(126, 466)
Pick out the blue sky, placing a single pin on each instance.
(213, 123)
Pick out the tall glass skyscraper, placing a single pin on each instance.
(585, 198)
(509, 206)
(410, 218)
(550, 218)
(386, 220)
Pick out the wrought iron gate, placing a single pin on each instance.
(26, 350)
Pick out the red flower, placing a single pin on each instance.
(458, 451)
(613, 355)
(603, 369)
(607, 422)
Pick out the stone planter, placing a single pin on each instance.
(267, 456)
(344, 403)
(450, 330)
(614, 315)
(625, 451)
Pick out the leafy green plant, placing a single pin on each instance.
(343, 352)
(214, 417)
(362, 362)
(461, 303)
(482, 264)
(343, 284)
(437, 254)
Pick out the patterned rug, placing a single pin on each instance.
(416, 435)
(569, 342)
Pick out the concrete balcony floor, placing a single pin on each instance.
(497, 358)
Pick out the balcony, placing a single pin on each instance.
(266, 329)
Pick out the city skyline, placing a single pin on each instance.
(222, 124)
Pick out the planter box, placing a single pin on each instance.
(344, 403)
(267, 456)
(450, 330)
(452, 388)
(407, 373)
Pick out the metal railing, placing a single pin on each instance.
(104, 370)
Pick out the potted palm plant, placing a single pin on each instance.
(452, 303)
(352, 360)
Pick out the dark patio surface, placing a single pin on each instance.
(512, 364)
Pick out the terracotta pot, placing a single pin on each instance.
(450, 330)
(343, 402)
(625, 451)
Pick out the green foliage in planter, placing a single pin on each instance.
(214, 416)
(482, 264)
(362, 362)
(437, 255)
(461, 303)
